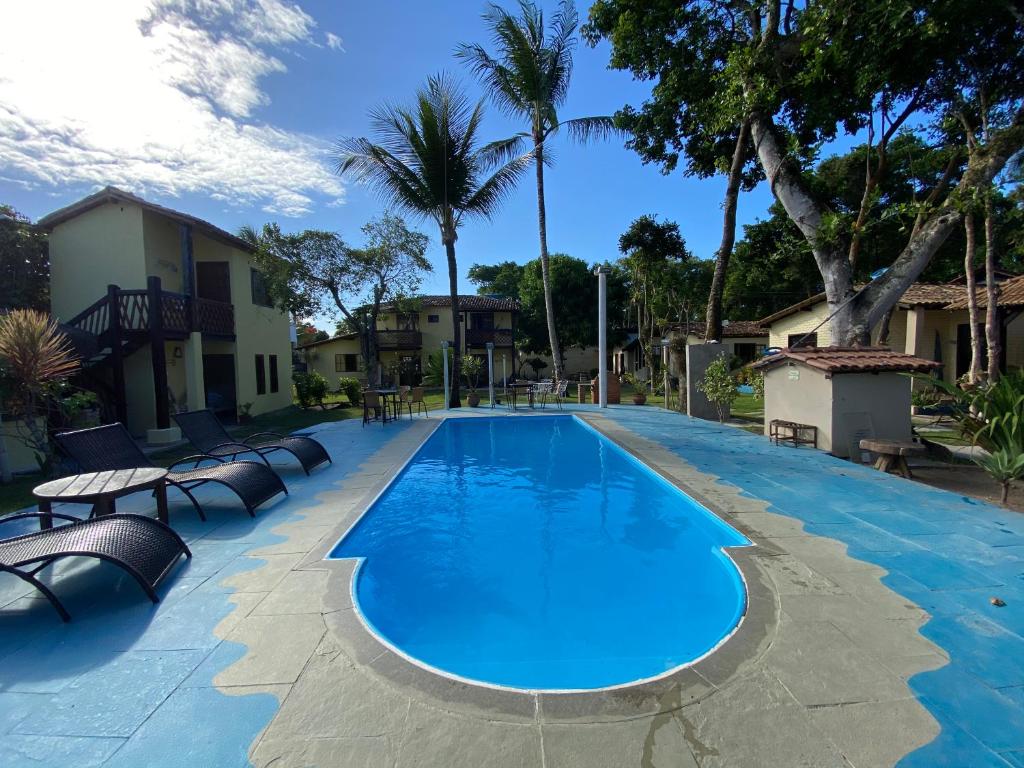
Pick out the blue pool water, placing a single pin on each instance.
(534, 553)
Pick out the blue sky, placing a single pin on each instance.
(227, 109)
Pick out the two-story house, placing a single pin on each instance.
(170, 309)
(406, 338)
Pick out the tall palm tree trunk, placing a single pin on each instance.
(453, 286)
(972, 299)
(992, 313)
(713, 320)
(545, 266)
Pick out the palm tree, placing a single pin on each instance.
(427, 161)
(529, 78)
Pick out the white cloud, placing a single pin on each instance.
(156, 98)
(334, 42)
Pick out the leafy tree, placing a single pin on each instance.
(24, 263)
(656, 262)
(529, 78)
(306, 333)
(719, 386)
(311, 270)
(428, 162)
(502, 279)
(801, 74)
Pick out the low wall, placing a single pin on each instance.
(698, 358)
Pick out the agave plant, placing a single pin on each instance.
(1004, 466)
(36, 357)
(991, 415)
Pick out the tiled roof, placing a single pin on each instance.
(1010, 294)
(730, 329)
(932, 295)
(115, 195)
(342, 337)
(468, 303)
(850, 360)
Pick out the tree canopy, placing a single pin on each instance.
(24, 263)
(802, 74)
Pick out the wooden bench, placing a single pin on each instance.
(892, 454)
(781, 431)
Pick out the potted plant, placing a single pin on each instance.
(244, 415)
(639, 386)
(81, 409)
(471, 367)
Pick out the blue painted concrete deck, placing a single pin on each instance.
(947, 553)
(128, 683)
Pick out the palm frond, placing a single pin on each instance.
(585, 129)
(502, 151)
(486, 199)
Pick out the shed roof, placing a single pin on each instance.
(115, 195)
(1010, 294)
(849, 360)
(332, 339)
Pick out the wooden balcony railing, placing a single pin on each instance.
(399, 340)
(479, 337)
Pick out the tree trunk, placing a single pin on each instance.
(853, 317)
(972, 299)
(453, 286)
(545, 266)
(713, 320)
(992, 329)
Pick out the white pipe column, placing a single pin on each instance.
(444, 357)
(490, 371)
(664, 368)
(602, 334)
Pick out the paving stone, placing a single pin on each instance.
(361, 752)
(437, 738)
(276, 650)
(768, 524)
(257, 574)
(648, 741)
(56, 751)
(878, 734)
(298, 592)
(756, 722)
(820, 665)
(299, 540)
(334, 699)
(793, 577)
(987, 715)
(115, 698)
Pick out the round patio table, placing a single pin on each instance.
(385, 394)
(101, 489)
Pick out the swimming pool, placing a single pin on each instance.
(534, 553)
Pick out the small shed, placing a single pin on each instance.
(848, 393)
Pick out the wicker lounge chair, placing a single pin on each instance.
(144, 547)
(111, 447)
(207, 434)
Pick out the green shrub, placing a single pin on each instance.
(757, 382)
(310, 388)
(351, 389)
(719, 386)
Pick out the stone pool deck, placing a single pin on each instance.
(887, 652)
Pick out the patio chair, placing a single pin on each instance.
(539, 392)
(559, 392)
(111, 447)
(142, 546)
(373, 402)
(416, 399)
(206, 433)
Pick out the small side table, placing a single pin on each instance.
(892, 454)
(101, 489)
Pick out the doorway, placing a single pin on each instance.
(213, 281)
(219, 378)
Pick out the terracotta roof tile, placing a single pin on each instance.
(1011, 294)
(731, 329)
(850, 360)
(469, 303)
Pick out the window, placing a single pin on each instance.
(803, 339)
(407, 321)
(483, 320)
(746, 352)
(261, 376)
(260, 293)
(433, 319)
(273, 373)
(346, 363)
